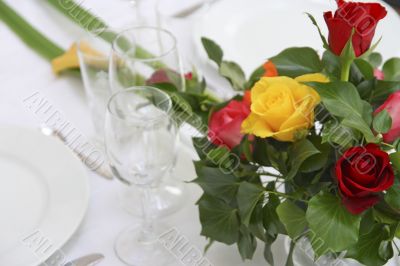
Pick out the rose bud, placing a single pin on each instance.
(362, 173)
(378, 74)
(392, 106)
(363, 17)
(225, 124)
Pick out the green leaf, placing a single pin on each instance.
(217, 155)
(293, 218)
(213, 50)
(382, 122)
(324, 42)
(248, 196)
(331, 222)
(299, 152)
(395, 159)
(247, 243)
(234, 74)
(270, 218)
(365, 68)
(391, 69)
(336, 133)
(342, 100)
(392, 196)
(219, 221)
(377, 91)
(318, 160)
(216, 183)
(331, 64)
(375, 59)
(202, 146)
(27, 33)
(256, 225)
(268, 255)
(368, 249)
(294, 62)
(255, 76)
(289, 260)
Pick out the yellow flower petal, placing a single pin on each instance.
(275, 105)
(255, 125)
(289, 133)
(303, 115)
(316, 77)
(70, 60)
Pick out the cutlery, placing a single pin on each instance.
(88, 260)
(192, 9)
(103, 170)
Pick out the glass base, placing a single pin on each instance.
(132, 250)
(168, 198)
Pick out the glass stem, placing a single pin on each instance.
(148, 234)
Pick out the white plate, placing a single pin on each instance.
(44, 194)
(251, 31)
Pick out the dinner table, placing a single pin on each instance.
(24, 74)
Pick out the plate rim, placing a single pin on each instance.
(65, 235)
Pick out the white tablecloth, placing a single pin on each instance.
(23, 72)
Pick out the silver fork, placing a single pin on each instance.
(91, 259)
(103, 170)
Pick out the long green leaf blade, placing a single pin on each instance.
(31, 36)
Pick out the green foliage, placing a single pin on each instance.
(293, 218)
(234, 74)
(377, 91)
(392, 196)
(314, 22)
(31, 36)
(332, 65)
(342, 100)
(219, 220)
(255, 76)
(247, 243)
(391, 69)
(331, 223)
(294, 62)
(361, 70)
(395, 159)
(375, 59)
(382, 122)
(374, 247)
(249, 195)
(215, 182)
(230, 70)
(213, 50)
(299, 152)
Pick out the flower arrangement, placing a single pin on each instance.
(308, 148)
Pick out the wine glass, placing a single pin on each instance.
(140, 138)
(148, 56)
(145, 56)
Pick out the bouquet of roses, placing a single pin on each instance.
(309, 148)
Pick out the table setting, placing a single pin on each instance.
(201, 132)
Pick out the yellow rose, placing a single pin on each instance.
(282, 106)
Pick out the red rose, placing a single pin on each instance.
(392, 105)
(225, 124)
(363, 172)
(364, 17)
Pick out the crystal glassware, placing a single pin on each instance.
(148, 56)
(93, 53)
(140, 138)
